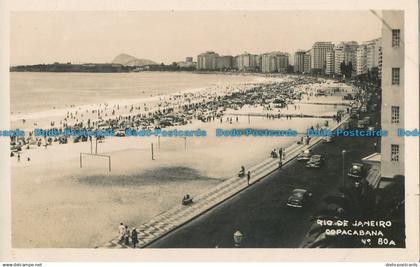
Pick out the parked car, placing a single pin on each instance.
(315, 161)
(357, 171)
(299, 198)
(304, 155)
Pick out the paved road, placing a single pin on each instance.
(260, 212)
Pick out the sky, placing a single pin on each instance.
(167, 36)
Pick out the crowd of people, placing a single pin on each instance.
(173, 110)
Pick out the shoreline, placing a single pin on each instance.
(54, 113)
(88, 202)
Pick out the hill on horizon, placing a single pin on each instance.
(128, 60)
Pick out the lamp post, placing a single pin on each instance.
(343, 154)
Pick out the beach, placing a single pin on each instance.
(58, 204)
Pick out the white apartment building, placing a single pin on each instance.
(207, 60)
(307, 62)
(361, 59)
(392, 113)
(299, 61)
(373, 53)
(330, 63)
(248, 62)
(319, 55)
(274, 62)
(345, 52)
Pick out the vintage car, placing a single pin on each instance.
(357, 171)
(304, 155)
(299, 198)
(315, 161)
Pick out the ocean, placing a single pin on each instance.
(43, 91)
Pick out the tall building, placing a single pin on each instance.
(282, 62)
(361, 59)
(224, 62)
(235, 62)
(392, 112)
(207, 61)
(299, 64)
(372, 53)
(330, 63)
(268, 62)
(350, 54)
(256, 59)
(307, 62)
(274, 62)
(339, 57)
(346, 52)
(319, 55)
(248, 62)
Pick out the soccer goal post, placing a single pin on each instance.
(95, 155)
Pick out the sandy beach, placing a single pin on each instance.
(58, 204)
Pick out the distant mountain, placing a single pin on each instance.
(128, 60)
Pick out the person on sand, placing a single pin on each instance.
(126, 236)
(121, 231)
(134, 237)
(18, 157)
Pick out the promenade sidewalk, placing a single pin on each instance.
(167, 221)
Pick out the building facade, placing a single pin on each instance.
(339, 57)
(274, 62)
(307, 58)
(282, 62)
(248, 62)
(319, 55)
(361, 60)
(392, 112)
(330, 63)
(299, 61)
(224, 62)
(268, 63)
(207, 61)
(372, 53)
(345, 52)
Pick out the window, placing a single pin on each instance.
(395, 76)
(395, 152)
(395, 114)
(396, 38)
